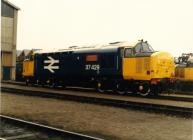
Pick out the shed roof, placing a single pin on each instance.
(11, 4)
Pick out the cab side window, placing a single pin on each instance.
(138, 48)
(128, 52)
(31, 57)
(146, 48)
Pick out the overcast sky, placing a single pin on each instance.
(53, 24)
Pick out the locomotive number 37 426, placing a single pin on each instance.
(92, 67)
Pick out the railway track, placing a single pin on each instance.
(171, 96)
(14, 129)
(153, 105)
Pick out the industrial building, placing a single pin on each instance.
(8, 39)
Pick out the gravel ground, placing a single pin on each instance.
(102, 121)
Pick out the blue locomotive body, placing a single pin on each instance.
(69, 67)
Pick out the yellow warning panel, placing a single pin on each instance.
(28, 68)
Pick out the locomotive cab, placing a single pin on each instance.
(141, 49)
(146, 67)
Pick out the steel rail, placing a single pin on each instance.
(162, 97)
(150, 107)
(47, 129)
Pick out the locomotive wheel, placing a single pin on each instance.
(119, 90)
(99, 87)
(144, 89)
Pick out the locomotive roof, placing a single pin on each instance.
(111, 47)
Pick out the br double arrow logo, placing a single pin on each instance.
(51, 62)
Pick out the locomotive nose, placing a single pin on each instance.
(162, 64)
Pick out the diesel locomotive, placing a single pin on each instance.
(119, 66)
(184, 73)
